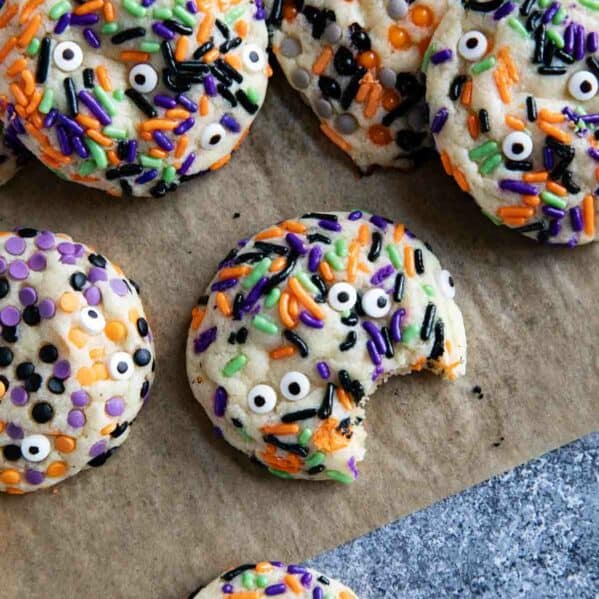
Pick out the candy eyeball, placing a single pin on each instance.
(473, 45)
(517, 146)
(35, 448)
(295, 385)
(583, 85)
(212, 136)
(342, 297)
(376, 303)
(120, 366)
(446, 284)
(253, 58)
(143, 78)
(92, 321)
(262, 399)
(68, 56)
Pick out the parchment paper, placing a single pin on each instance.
(176, 506)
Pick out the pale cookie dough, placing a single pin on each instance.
(269, 579)
(513, 97)
(303, 322)
(357, 64)
(133, 97)
(76, 359)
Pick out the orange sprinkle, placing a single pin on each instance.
(56, 469)
(280, 353)
(551, 117)
(88, 7)
(204, 105)
(158, 153)
(134, 56)
(28, 82)
(104, 78)
(113, 158)
(509, 65)
(344, 399)
(368, 59)
(293, 583)
(294, 226)
(115, 330)
(181, 48)
(197, 316)
(293, 307)
(284, 310)
(398, 232)
(99, 138)
(106, 430)
(270, 233)
(30, 31)
(515, 123)
(69, 302)
(14, 491)
(379, 135)
(532, 201)
(346, 595)
(554, 131)
(461, 180)
(27, 9)
(556, 188)
(16, 67)
(65, 444)
(233, 272)
(538, 177)
(422, 16)
(87, 121)
(408, 260)
(220, 163)
(234, 61)
(473, 126)
(280, 429)
(109, 14)
(390, 99)
(306, 300)
(398, 37)
(10, 11)
(446, 162)
(502, 85)
(588, 213)
(241, 28)
(374, 100)
(289, 12)
(162, 124)
(181, 146)
(323, 60)
(363, 234)
(205, 28)
(211, 55)
(325, 272)
(326, 438)
(223, 304)
(515, 212)
(466, 97)
(278, 264)
(7, 48)
(335, 138)
(10, 477)
(352, 262)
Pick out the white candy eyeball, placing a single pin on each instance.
(35, 448)
(253, 58)
(120, 366)
(68, 56)
(517, 146)
(446, 284)
(262, 399)
(376, 303)
(473, 45)
(295, 385)
(212, 136)
(342, 297)
(143, 78)
(92, 321)
(583, 85)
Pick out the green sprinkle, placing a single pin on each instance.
(115, 132)
(253, 95)
(316, 459)
(280, 473)
(483, 65)
(248, 581)
(87, 168)
(340, 477)
(47, 101)
(184, 16)
(169, 174)
(59, 9)
(483, 151)
(494, 219)
(553, 200)
(109, 28)
(306, 283)
(150, 161)
(427, 58)
(394, 256)
(232, 15)
(332, 258)
(429, 290)
(97, 152)
(261, 581)
(515, 24)
(544, 3)
(341, 247)
(556, 38)
(272, 298)
(105, 100)
(135, 9)
(244, 435)
(162, 13)
(559, 16)
(257, 273)
(265, 325)
(490, 164)
(234, 365)
(33, 47)
(118, 95)
(304, 436)
(409, 333)
(150, 47)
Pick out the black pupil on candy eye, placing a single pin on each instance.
(343, 296)
(122, 367)
(214, 140)
(68, 54)
(92, 314)
(471, 43)
(294, 388)
(381, 302)
(140, 79)
(450, 281)
(585, 86)
(254, 57)
(517, 148)
(33, 450)
(259, 401)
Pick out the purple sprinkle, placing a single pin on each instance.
(517, 186)
(79, 147)
(379, 222)
(210, 85)
(19, 396)
(95, 107)
(576, 218)
(550, 12)
(34, 477)
(591, 118)
(79, 398)
(76, 418)
(593, 153)
(228, 588)
(96, 274)
(310, 321)
(119, 287)
(220, 402)
(323, 370)
(395, 326)
(132, 150)
(228, 122)
(66, 248)
(14, 431)
(381, 274)
(191, 7)
(330, 225)
(93, 295)
(204, 340)
(28, 296)
(355, 215)
(15, 246)
(295, 569)
(579, 43)
(147, 176)
(296, 243)
(47, 308)
(185, 126)
(45, 241)
(503, 11)
(163, 31)
(439, 120)
(375, 335)
(164, 101)
(548, 158)
(91, 38)
(318, 593)
(275, 589)
(254, 294)
(115, 406)
(10, 316)
(64, 143)
(373, 352)
(554, 228)
(314, 258)
(351, 464)
(187, 164)
(97, 448)
(62, 370)
(306, 580)
(162, 140)
(188, 104)
(50, 118)
(224, 285)
(592, 42)
(569, 38)
(18, 270)
(84, 20)
(553, 212)
(441, 56)
(63, 23)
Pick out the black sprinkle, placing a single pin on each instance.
(300, 415)
(427, 324)
(375, 246)
(349, 342)
(294, 338)
(326, 407)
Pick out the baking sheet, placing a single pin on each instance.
(176, 506)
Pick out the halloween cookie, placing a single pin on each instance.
(514, 107)
(357, 64)
(133, 97)
(303, 322)
(76, 358)
(269, 579)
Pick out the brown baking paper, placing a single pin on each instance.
(176, 506)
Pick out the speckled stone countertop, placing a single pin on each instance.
(533, 532)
